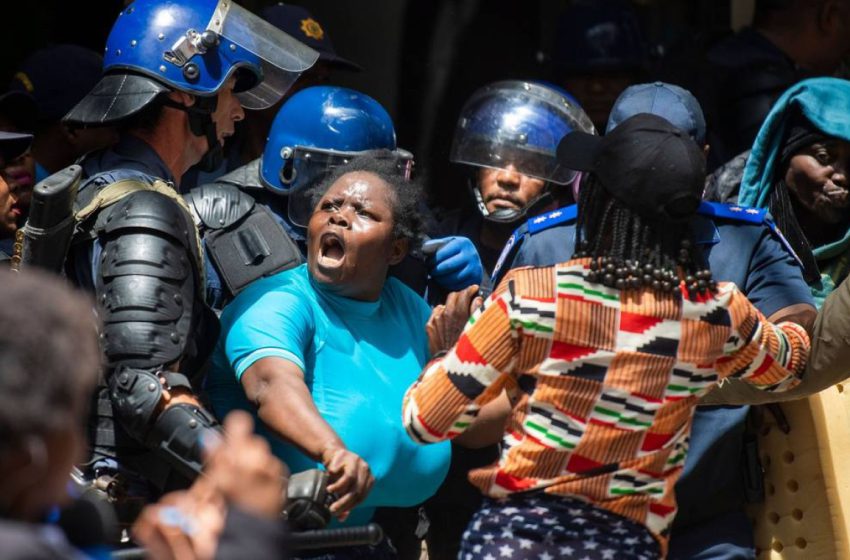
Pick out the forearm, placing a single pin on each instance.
(735, 391)
(770, 357)
(286, 407)
(489, 427)
(446, 399)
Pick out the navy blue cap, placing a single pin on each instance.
(57, 78)
(300, 24)
(13, 145)
(672, 103)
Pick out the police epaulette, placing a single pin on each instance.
(732, 212)
(553, 218)
(532, 226)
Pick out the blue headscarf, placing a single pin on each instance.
(825, 103)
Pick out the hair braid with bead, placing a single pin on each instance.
(628, 252)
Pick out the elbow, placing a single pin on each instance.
(416, 428)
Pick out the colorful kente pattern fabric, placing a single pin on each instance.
(604, 384)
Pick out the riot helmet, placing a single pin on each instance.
(320, 128)
(518, 124)
(195, 46)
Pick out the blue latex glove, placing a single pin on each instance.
(454, 262)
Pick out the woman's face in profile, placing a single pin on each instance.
(350, 236)
(817, 180)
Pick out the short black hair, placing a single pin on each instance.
(408, 193)
(48, 352)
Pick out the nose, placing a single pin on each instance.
(339, 219)
(508, 176)
(238, 113)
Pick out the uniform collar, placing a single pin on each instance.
(134, 153)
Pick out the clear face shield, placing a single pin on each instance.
(304, 168)
(281, 59)
(519, 124)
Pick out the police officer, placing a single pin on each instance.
(176, 78)
(254, 218)
(507, 134)
(741, 246)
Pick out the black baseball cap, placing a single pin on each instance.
(646, 163)
(297, 22)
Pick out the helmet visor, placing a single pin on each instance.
(309, 166)
(519, 124)
(281, 59)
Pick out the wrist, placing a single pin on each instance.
(328, 449)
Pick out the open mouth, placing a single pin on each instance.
(331, 249)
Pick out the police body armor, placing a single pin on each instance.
(243, 239)
(157, 331)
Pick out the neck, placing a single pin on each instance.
(174, 143)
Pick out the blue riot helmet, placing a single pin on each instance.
(517, 123)
(194, 46)
(320, 128)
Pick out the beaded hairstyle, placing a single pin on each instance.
(629, 252)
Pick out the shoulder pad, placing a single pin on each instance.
(768, 221)
(244, 177)
(545, 221)
(148, 210)
(718, 210)
(219, 205)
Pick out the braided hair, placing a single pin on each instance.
(781, 209)
(629, 252)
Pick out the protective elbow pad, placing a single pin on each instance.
(177, 434)
(135, 395)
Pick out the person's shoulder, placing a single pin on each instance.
(561, 217)
(285, 292)
(721, 213)
(293, 282)
(534, 231)
(754, 223)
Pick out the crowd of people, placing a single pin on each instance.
(248, 283)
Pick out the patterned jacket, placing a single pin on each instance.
(607, 384)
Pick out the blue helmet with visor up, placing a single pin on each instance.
(193, 46)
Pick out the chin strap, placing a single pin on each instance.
(508, 217)
(201, 123)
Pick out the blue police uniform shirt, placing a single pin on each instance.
(740, 248)
(358, 359)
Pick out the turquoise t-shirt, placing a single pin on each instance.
(358, 358)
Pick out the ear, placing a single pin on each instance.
(399, 250)
(182, 97)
